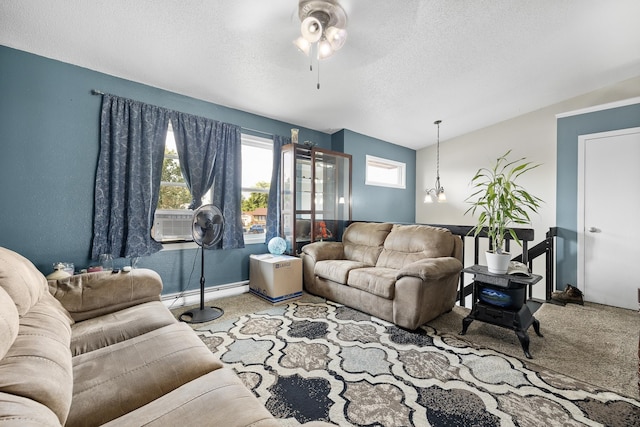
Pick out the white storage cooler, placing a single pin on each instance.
(276, 278)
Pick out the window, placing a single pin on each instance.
(257, 162)
(385, 172)
(172, 222)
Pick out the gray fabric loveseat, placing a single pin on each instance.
(101, 348)
(405, 274)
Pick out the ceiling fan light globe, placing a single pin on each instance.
(336, 36)
(324, 49)
(311, 29)
(303, 45)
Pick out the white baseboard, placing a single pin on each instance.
(192, 297)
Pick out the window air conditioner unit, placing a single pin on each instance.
(172, 225)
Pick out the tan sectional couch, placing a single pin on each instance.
(405, 274)
(102, 349)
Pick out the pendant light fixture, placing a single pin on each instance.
(323, 29)
(436, 194)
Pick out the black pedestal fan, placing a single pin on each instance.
(206, 228)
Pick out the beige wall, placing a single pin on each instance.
(532, 135)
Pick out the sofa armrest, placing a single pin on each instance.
(93, 294)
(431, 268)
(321, 251)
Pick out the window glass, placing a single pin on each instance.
(172, 220)
(174, 193)
(385, 172)
(257, 159)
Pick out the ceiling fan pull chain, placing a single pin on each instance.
(318, 86)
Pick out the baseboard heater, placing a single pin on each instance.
(192, 296)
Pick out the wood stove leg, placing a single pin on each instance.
(465, 324)
(536, 327)
(524, 341)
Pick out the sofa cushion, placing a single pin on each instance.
(21, 411)
(127, 375)
(8, 322)
(406, 244)
(38, 364)
(112, 328)
(378, 281)
(94, 294)
(363, 241)
(336, 270)
(218, 398)
(21, 280)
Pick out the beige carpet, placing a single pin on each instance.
(594, 343)
(237, 306)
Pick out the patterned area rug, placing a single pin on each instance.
(324, 361)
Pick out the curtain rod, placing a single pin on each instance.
(99, 92)
(256, 131)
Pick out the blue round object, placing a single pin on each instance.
(277, 246)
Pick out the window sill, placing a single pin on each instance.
(253, 239)
(179, 246)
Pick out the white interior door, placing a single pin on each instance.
(608, 209)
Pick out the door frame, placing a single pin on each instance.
(582, 142)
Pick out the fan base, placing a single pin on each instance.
(200, 315)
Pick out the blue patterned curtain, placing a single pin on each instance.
(227, 183)
(196, 145)
(132, 138)
(274, 201)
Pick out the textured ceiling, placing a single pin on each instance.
(405, 64)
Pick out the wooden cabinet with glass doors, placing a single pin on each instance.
(316, 195)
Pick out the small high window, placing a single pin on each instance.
(385, 172)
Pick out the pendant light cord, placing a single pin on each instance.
(437, 122)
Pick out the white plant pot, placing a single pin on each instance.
(497, 263)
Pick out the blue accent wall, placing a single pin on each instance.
(49, 141)
(569, 129)
(373, 203)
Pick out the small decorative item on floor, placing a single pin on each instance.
(570, 294)
(277, 246)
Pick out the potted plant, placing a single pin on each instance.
(501, 202)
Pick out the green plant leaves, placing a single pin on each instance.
(500, 200)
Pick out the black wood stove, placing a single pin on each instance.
(500, 299)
